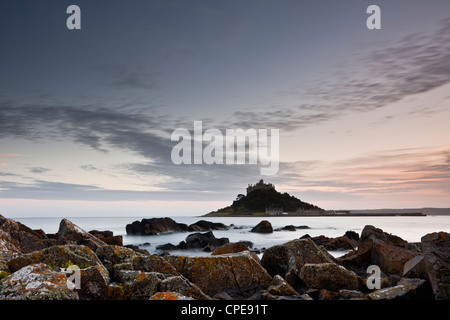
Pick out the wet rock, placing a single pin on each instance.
(287, 259)
(289, 228)
(436, 254)
(36, 282)
(329, 276)
(237, 274)
(206, 241)
(263, 227)
(203, 225)
(155, 226)
(70, 233)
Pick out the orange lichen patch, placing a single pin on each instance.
(165, 296)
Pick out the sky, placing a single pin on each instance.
(86, 116)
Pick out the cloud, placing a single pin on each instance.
(416, 64)
(39, 170)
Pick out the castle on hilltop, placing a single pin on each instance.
(260, 185)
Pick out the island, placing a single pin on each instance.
(262, 199)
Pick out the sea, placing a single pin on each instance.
(410, 228)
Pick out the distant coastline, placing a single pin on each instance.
(415, 212)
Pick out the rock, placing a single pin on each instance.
(415, 268)
(168, 247)
(203, 225)
(329, 276)
(237, 274)
(94, 283)
(70, 233)
(406, 289)
(111, 255)
(343, 294)
(206, 241)
(155, 226)
(138, 285)
(182, 286)
(7, 250)
(150, 263)
(232, 247)
(108, 237)
(169, 296)
(263, 227)
(279, 287)
(436, 255)
(289, 228)
(376, 247)
(287, 259)
(352, 235)
(23, 238)
(36, 282)
(153, 263)
(236, 247)
(57, 256)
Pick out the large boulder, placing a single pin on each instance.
(23, 238)
(436, 255)
(94, 283)
(203, 225)
(232, 247)
(36, 282)
(155, 226)
(287, 259)
(205, 241)
(57, 257)
(329, 276)
(70, 233)
(346, 242)
(145, 263)
(237, 275)
(111, 255)
(263, 227)
(377, 247)
(139, 285)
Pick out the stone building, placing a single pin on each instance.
(260, 185)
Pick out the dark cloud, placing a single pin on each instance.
(416, 64)
(39, 170)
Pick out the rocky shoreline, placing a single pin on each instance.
(34, 266)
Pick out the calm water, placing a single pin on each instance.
(408, 228)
